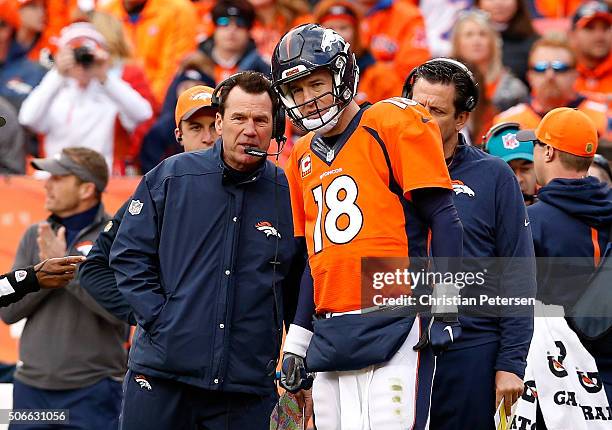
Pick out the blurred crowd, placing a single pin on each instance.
(106, 74)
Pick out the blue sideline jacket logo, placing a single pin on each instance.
(267, 228)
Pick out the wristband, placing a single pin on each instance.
(297, 340)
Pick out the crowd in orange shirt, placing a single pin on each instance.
(174, 44)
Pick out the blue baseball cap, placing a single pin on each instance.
(501, 142)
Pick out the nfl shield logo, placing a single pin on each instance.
(510, 141)
(20, 275)
(135, 207)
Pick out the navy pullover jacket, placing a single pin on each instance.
(194, 258)
(491, 209)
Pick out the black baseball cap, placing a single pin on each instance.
(238, 9)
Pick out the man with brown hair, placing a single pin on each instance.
(206, 259)
(572, 217)
(71, 350)
(552, 76)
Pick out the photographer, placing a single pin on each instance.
(78, 101)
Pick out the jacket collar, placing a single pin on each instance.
(100, 216)
(230, 176)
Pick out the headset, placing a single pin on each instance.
(278, 133)
(497, 129)
(278, 117)
(470, 102)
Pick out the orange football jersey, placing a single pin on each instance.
(353, 201)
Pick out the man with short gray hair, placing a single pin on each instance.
(206, 259)
(71, 350)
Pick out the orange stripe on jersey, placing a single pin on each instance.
(596, 250)
(350, 203)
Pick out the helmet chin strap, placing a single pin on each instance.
(324, 123)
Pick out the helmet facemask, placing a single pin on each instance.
(324, 118)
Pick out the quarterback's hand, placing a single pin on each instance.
(293, 374)
(440, 334)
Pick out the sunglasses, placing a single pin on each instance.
(556, 66)
(225, 21)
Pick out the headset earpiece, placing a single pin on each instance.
(409, 83)
(495, 130)
(470, 102)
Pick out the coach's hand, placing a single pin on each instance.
(440, 334)
(509, 387)
(50, 244)
(293, 374)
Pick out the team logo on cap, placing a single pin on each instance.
(306, 166)
(460, 188)
(267, 228)
(589, 147)
(203, 95)
(135, 207)
(509, 141)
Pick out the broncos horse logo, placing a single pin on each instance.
(329, 38)
(460, 188)
(267, 228)
(142, 381)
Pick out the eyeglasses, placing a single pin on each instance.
(556, 66)
(225, 21)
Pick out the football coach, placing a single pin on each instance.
(206, 258)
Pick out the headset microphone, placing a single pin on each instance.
(261, 154)
(256, 152)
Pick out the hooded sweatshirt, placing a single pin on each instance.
(571, 219)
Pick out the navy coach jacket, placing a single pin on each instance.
(194, 258)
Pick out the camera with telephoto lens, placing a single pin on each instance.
(84, 56)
